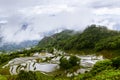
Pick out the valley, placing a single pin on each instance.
(40, 63)
(67, 55)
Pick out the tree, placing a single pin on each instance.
(64, 63)
(69, 63)
(74, 61)
(23, 75)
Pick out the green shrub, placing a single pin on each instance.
(101, 65)
(3, 77)
(23, 75)
(4, 71)
(84, 76)
(116, 62)
(107, 75)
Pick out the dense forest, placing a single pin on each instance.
(94, 37)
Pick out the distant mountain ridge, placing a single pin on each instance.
(28, 43)
(14, 46)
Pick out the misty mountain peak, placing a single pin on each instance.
(24, 26)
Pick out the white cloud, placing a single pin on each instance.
(109, 11)
(46, 9)
(46, 15)
(3, 21)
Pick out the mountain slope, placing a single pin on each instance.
(70, 40)
(56, 39)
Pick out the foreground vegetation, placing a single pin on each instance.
(104, 70)
(108, 69)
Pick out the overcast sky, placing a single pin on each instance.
(27, 19)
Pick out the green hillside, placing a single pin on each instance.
(93, 37)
